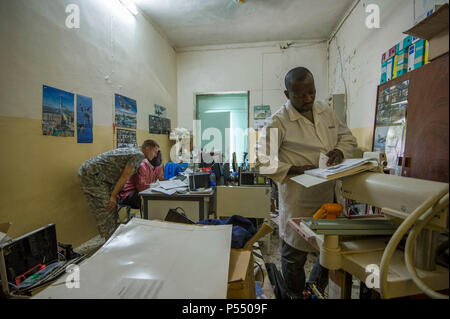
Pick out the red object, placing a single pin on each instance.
(206, 169)
(33, 270)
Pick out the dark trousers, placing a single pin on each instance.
(292, 265)
(132, 200)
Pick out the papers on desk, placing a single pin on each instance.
(176, 183)
(163, 190)
(169, 187)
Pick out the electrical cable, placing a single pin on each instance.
(262, 271)
(397, 236)
(409, 255)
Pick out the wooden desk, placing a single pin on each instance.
(147, 195)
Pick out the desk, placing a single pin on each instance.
(148, 195)
(356, 253)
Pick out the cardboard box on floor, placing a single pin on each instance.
(241, 278)
(434, 28)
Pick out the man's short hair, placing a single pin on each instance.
(150, 143)
(296, 74)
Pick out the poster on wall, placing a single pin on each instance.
(391, 141)
(126, 110)
(392, 104)
(126, 138)
(260, 114)
(57, 112)
(84, 119)
(165, 126)
(160, 111)
(155, 125)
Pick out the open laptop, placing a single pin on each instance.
(18, 256)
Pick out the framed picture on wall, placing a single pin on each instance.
(154, 124)
(125, 112)
(126, 138)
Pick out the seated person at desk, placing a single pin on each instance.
(103, 176)
(148, 173)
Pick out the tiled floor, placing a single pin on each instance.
(271, 250)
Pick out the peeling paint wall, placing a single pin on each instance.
(355, 58)
(111, 52)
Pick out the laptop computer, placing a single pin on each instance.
(27, 252)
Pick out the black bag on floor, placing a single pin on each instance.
(277, 281)
(177, 215)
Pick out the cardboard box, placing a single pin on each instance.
(241, 276)
(434, 28)
(428, 11)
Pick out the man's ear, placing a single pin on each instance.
(287, 94)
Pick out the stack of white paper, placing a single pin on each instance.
(163, 190)
(172, 184)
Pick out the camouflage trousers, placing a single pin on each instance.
(97, 194)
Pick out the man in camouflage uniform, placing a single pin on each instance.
(102, 177)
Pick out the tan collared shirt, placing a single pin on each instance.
(300, 143)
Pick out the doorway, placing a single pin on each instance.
(224, 123)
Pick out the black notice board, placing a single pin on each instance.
(158, 125)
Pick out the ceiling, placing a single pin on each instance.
(189, 23)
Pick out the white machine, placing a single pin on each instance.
(416, 206)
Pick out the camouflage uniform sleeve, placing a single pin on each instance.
(135, 160)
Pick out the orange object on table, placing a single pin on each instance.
(328, 211)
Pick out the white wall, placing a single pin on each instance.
(259, 68)
(111, 52)
(355, 58)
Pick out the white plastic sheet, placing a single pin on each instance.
(153, 259)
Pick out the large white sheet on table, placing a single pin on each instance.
(153, 259)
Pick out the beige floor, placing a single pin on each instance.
(271, 251)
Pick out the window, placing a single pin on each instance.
(224, 123)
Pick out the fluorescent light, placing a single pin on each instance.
(129, 4)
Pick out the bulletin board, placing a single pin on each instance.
(390, 121)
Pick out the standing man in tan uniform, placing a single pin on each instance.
(305, 129)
